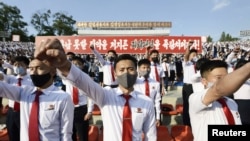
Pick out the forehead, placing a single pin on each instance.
(144, 65)
(110, 53)
(218, 72)
(154, 54)
(193, 53)
(125, 64)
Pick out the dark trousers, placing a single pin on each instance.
(243, 108)
(166, 80)
(13, 124)
(80, 126)
(187, 90)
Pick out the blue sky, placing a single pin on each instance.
(188, 17)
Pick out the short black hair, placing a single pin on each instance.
(125, 57)
(113, 51)
(154, 51)
(193, 50)
(143, 62)
(70, 53)
(211, 65)
(23, 59)
(200, 62)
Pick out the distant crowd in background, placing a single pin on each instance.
(212, 50)
(206, 88)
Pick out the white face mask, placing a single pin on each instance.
(210, 84)
(19, 70)
(234, 60)
(195, 59)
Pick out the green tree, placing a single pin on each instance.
(59, 23)
(11, 21)
(42, 23)
(209, 39)
(223, 37)
(227, 37)
(64, 24)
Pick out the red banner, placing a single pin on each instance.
(125, 44)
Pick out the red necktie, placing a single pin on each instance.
(17, 104)
(227, 111)
(156, 74)
(195, 68)
(127, 121)
(75, 95)
(112, 71)
(146, 87)
(34, 119)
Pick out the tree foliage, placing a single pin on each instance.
(64, 24)
(41, 22)
(47, 23)
(11, 21)
(227, 37)
(209, 39)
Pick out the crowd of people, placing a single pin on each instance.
(127, 88)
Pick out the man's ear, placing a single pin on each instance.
(204, 82)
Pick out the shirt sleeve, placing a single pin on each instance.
(10, 91)
(157, 101)
(195, 101)
(99, 57)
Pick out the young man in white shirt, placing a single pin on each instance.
(153, 90)
(54, 119)
(188, 66)
(107, 66)
(20, 78)
(204, 106)
(112, 101)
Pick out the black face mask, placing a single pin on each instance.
(127, 80)
(40, 80)
(111, 59)
(155, 59)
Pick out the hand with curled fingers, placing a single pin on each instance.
(52, 51)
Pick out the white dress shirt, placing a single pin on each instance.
(111, 102)
(154, 89)
(165, 66)
(188, 71)
(243, 92)
(160, 70)
(106, 67)
(201, 115)
(55, 111)
(196, 82)
(10, 79)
